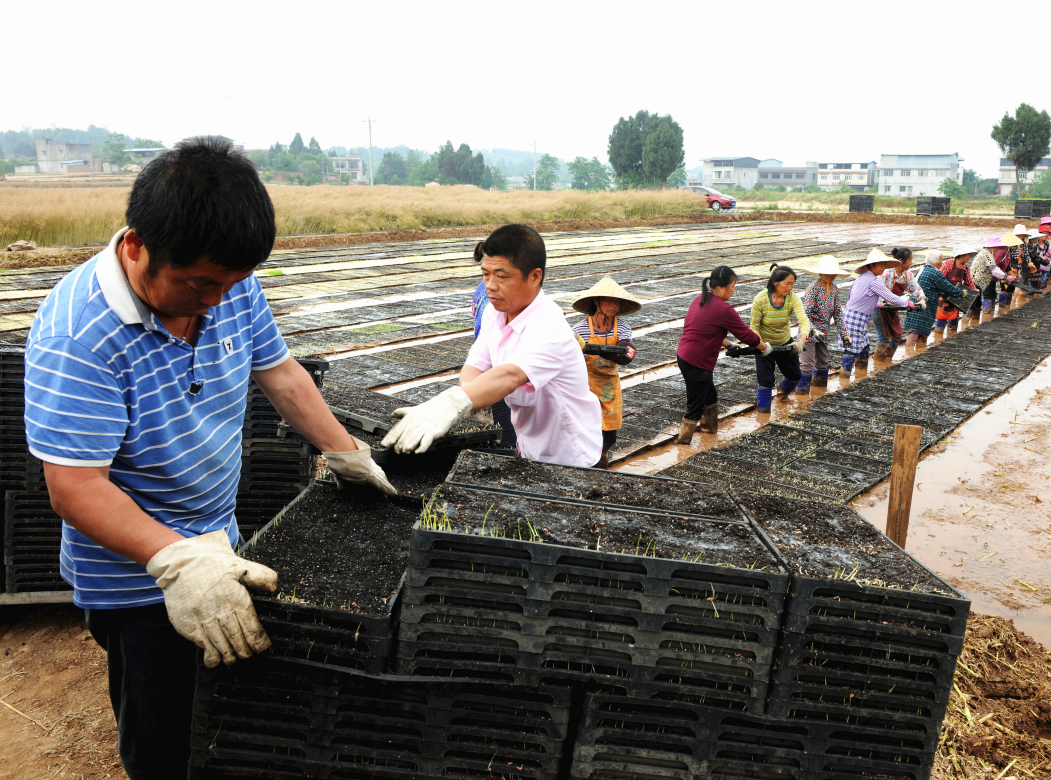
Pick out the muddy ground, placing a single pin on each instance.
(51, 256)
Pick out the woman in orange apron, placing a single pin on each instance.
(605, 303)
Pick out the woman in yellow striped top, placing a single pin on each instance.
(772, 310)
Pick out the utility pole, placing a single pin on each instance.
(534, 166)
(369, 120)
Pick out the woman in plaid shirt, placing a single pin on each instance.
(822, 307)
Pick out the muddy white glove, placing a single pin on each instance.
(204, 590)
(769, 349)
(421, 425)
(358, 468)
(798, 345)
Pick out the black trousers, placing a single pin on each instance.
(700, 392)
(151, 684)
(788, 362)
(502, 417)
(989, 293)
(609, 438)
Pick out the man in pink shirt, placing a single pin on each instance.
(525, 354)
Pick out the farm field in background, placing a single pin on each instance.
(72, 216)
(765, 200)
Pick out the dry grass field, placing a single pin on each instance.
(74, 216)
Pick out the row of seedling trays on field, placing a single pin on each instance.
(539, 621)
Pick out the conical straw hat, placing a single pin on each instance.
(876, 256)
(828, 266)
(607, 288)
(1010, 239)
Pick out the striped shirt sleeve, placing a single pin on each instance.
(268, 346)
(583, 329)
(75, 414)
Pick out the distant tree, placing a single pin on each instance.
(677, 178)
(547, 168)
(1025, 138)
(970, 178)
(114, 149)
(988, 187)
(494, 178)
(311, 167)
(296, 147)
(2, 155)
(1041, 185)
(951, 188)
(314, 147)
(25, 149)
(645, 149)
(392, 169)
(146, 143)
(333, 153)
(589, 174)
(625, 148)
(662, 151)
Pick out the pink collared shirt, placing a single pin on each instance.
(555, 414)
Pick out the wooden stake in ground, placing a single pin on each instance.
(902, 476)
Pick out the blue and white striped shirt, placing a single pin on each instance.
(107, 385)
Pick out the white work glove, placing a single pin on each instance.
(797, 345)
(204, 590)
(357, 467)
(769, 349)
(421, 425)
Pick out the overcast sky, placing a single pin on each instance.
(826, 81)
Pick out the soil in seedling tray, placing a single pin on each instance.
(608, 487)
(338, 550)
(602, 528)
(834, 542)
(419, 475)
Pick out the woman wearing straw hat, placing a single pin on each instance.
(955, 270)
(1019, 252)
(822, 306)
(919, 322)
(1037, 257)
(984, 270)
(865, 293)
(900, 281)
(603, 304)
(1012, 244)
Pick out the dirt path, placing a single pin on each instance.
(54, 674)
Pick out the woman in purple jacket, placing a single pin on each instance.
(708, 320)
(865, 293)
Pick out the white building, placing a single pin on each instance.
(53, 158)
(915, 175)
(350, 165)
(729, 171)
(1009, 177)
(772, 173)
(835, 176)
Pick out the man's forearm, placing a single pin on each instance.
(88, 501)
(485, 389)
(296, 398)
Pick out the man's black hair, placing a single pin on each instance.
(520, 244)
(202, 199)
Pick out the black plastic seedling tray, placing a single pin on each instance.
(266, 718)
(333, 635)
(479, 471)
(605, 350)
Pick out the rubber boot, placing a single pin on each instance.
(784, 387)
(892, 347)
(939, 325)
(987, 305)
(763, 399)
(821, 377)
(912, 340)
(1003, 298)
(881, 349)
(952, 324)
(846, 366)
(863, 357)
(686, 431)
(603, 462)
(803, 388)
(710, 419)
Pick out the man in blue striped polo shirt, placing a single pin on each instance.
(137, 367)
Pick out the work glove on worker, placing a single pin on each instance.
(910, 305)
(769, 349)
(204, 590)
(845, 339)
(358, 468)
(421, 425)
(798, 345)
